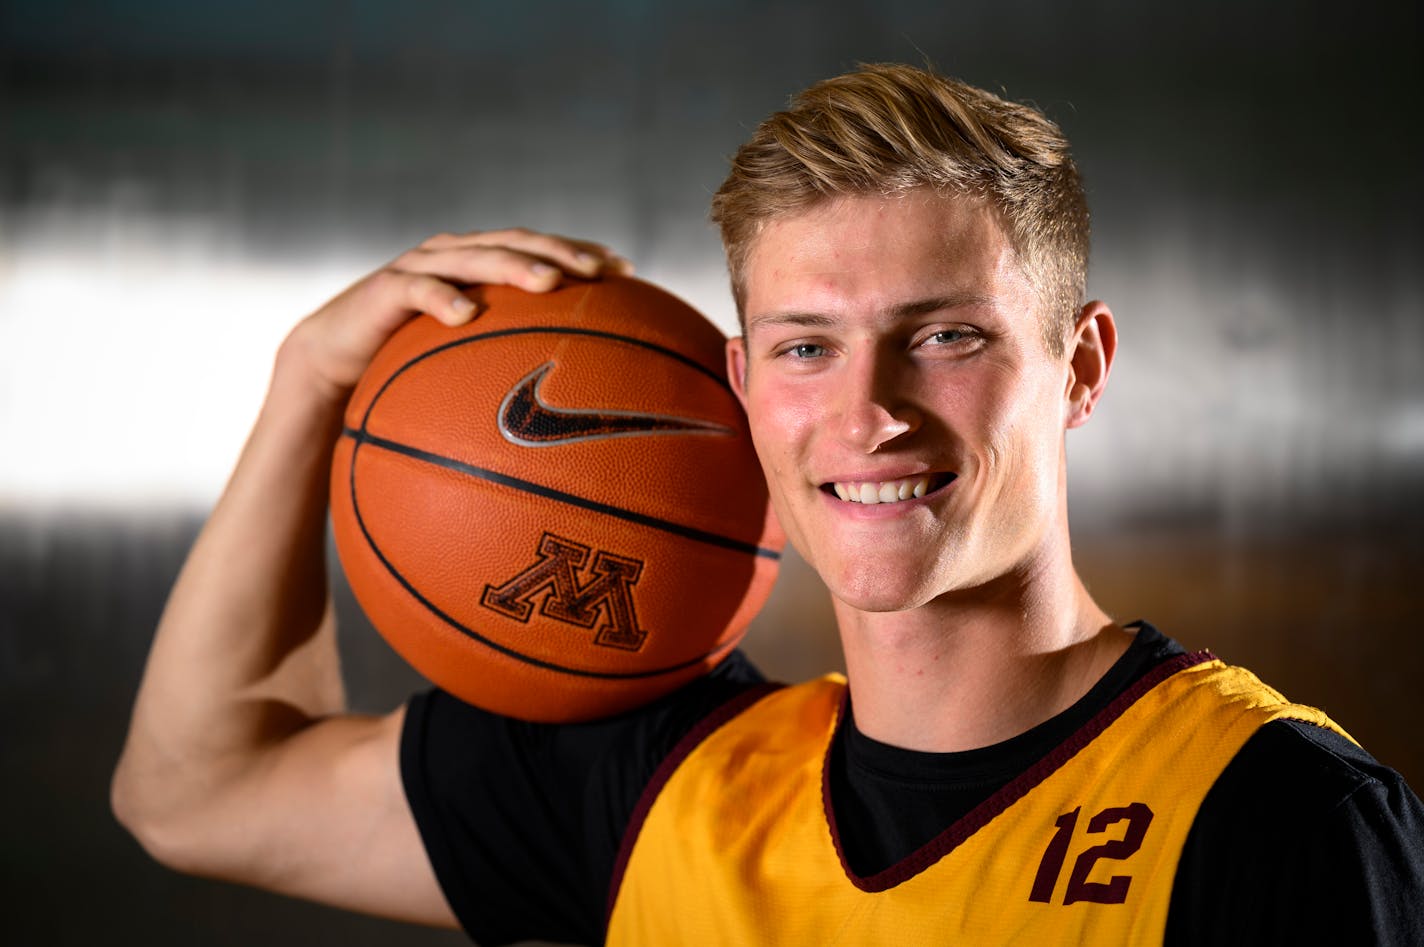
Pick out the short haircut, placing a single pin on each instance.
(885, 129)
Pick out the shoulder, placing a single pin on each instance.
(1311, 767)
(1302, 809)
(522, 821)
(769, 716)
(463, 737)
(1293, 779)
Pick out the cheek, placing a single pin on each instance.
(779, 422)
(780, 433)
(1021, 431)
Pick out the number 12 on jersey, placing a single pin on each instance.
(1113, 891)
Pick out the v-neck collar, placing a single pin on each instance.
(1034, 755)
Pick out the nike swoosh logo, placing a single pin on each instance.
(526, 419)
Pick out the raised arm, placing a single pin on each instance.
(241, 761)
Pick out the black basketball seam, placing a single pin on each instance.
(363, 436)
(542, 330)
(475, 635)
(548, 493)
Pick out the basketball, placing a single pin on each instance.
(554, 512)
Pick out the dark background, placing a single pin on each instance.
(179, 182)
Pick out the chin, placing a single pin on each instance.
(881, 593)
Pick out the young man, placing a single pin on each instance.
(1006, 765)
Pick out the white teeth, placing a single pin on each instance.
(885, 491)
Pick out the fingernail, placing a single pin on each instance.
(542, 269)
(462, 306)
(587, 259)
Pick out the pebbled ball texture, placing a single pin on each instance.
(554, 512)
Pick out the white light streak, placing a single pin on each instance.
(129, 378)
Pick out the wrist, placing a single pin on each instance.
(298, 372)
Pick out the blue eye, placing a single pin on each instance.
(960, 340)
(807, 350)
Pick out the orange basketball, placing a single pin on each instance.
(554, 512)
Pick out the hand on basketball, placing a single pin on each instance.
(338, 341)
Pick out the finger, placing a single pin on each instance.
(574, 256)
(408, 293)
(442, 300)
(620, 265)
(606, 257)
(483, 264)
(578, 257)
(441, 241)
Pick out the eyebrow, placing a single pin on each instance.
(906, 310)
(939, 303)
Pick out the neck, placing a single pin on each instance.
(975, 667)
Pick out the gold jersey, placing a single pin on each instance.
(735, 843)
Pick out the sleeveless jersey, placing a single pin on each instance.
(735, 842)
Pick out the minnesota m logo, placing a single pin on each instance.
(567, 600)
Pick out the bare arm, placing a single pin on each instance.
(241, 761)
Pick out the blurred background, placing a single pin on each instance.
(180, 182)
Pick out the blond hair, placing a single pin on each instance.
(885, 129)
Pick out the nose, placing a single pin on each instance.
(873, 406)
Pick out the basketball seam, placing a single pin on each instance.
(475, 635)
(548, 493)
(541, 330)
(363, 436)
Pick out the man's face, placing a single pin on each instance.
(907, 414)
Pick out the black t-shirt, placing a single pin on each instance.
(1303, 839)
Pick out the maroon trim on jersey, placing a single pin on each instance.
(689, 742)
(980, 816)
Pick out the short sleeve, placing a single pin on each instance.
(522, 821)
(1305, 838)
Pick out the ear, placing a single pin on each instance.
(1090, 357)
(737, 368)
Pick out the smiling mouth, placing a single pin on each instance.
(889, 491)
